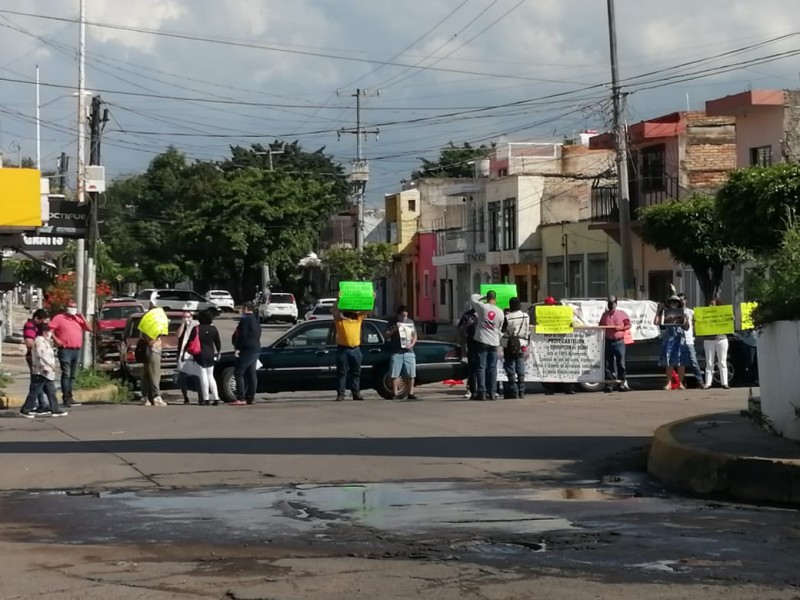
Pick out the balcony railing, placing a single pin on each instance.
(642, 193)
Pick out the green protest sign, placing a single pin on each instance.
(713, 320)
(504, 291)
(356, 295)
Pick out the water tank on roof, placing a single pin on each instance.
(482, 167)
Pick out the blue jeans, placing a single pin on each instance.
(695, 366)
(244, 372)
(69, 358)
(486, 373)
(348, 370)
(515, 372)
(615, 360)
(41, 385)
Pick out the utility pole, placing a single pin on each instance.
(80, 253)
(621, 135)
(63, 169)
(269, 152)
(359, 172)
(97, 120)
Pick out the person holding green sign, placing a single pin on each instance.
(348, 347)
(716, 350)
(487, 341)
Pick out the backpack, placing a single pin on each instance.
(514, 347)
(468, 324)
(140, 352)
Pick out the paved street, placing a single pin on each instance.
(307, 498)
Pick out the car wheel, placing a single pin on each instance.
(590, 387)
(384, 386)
(731, 374)
(227, 385)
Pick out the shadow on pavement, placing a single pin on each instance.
(500, 447)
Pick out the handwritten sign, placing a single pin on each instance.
(505, 292)
(154, 323)
(577, 357)
(747, 309)
(553, 320)
(356, 295)
(642, 313)
(713, 320)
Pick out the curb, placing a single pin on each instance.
(93, 396)
(707, 473)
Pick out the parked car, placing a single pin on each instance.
(221, 299)
(320, 312)
(110, 326)
(176, 300)
(131, 369)
(278, 307)
(304, 358)
(321, 302)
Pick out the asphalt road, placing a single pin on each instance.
(543, 497)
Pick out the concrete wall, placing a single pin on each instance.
(759, 126)
(791, 127)
(426, 283)
(779, 377)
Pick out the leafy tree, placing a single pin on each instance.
(775, 283)
(454, 161)
(692, 233)
(31, 272)
(754, 203)
(373, 262)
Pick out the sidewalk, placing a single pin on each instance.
(726, 454)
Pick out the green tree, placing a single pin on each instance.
(454, 161)
(373, 262)
(775, 283)
(691, 232)
(753, 205)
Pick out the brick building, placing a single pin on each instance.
(671, 157)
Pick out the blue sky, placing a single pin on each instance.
(288, 69)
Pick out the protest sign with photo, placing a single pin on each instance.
(567, 358)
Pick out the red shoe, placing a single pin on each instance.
(237, 403)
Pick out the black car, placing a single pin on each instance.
(304, 359)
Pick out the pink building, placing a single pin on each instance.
(426, 295)
(767, 125)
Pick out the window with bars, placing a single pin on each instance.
(494, 226)
(509, 224)
(555, 277)
(597, 275)
(653, 168)
(761, 156)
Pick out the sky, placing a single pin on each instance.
(203, 75)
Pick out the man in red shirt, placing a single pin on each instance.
(68, 328)
(616, 323)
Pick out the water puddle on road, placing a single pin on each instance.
(283, 512)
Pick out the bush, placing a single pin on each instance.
(5, 379)
(775, 284)
(91, 379)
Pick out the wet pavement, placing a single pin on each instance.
(626, 530)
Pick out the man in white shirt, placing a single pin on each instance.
(515, 341)
(695, 366)
(487, 341)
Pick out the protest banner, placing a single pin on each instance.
(577, 357)
(505, 292)
(356, 295)
(154, 323)
(642, 314)
(553, 319)
(747, 309)
(713, 320)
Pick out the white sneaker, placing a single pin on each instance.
(159, 402)
(467, 394)
(144, 402)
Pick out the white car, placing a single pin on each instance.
(221, 299)
(170, 299)
(278, 307)
(321, 312)
(320, 302)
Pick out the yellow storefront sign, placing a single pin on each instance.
(714, 320)
(747, 309)
(553, 320)
(20, 198)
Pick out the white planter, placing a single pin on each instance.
(779, 376)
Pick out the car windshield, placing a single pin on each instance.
(219, 294)
(323, 310)
(133, 326)
(281, 299)
(115, 313)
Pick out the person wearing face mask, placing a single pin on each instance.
(68, 328)
(44, 374)
(186, 367)
(615, 322)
